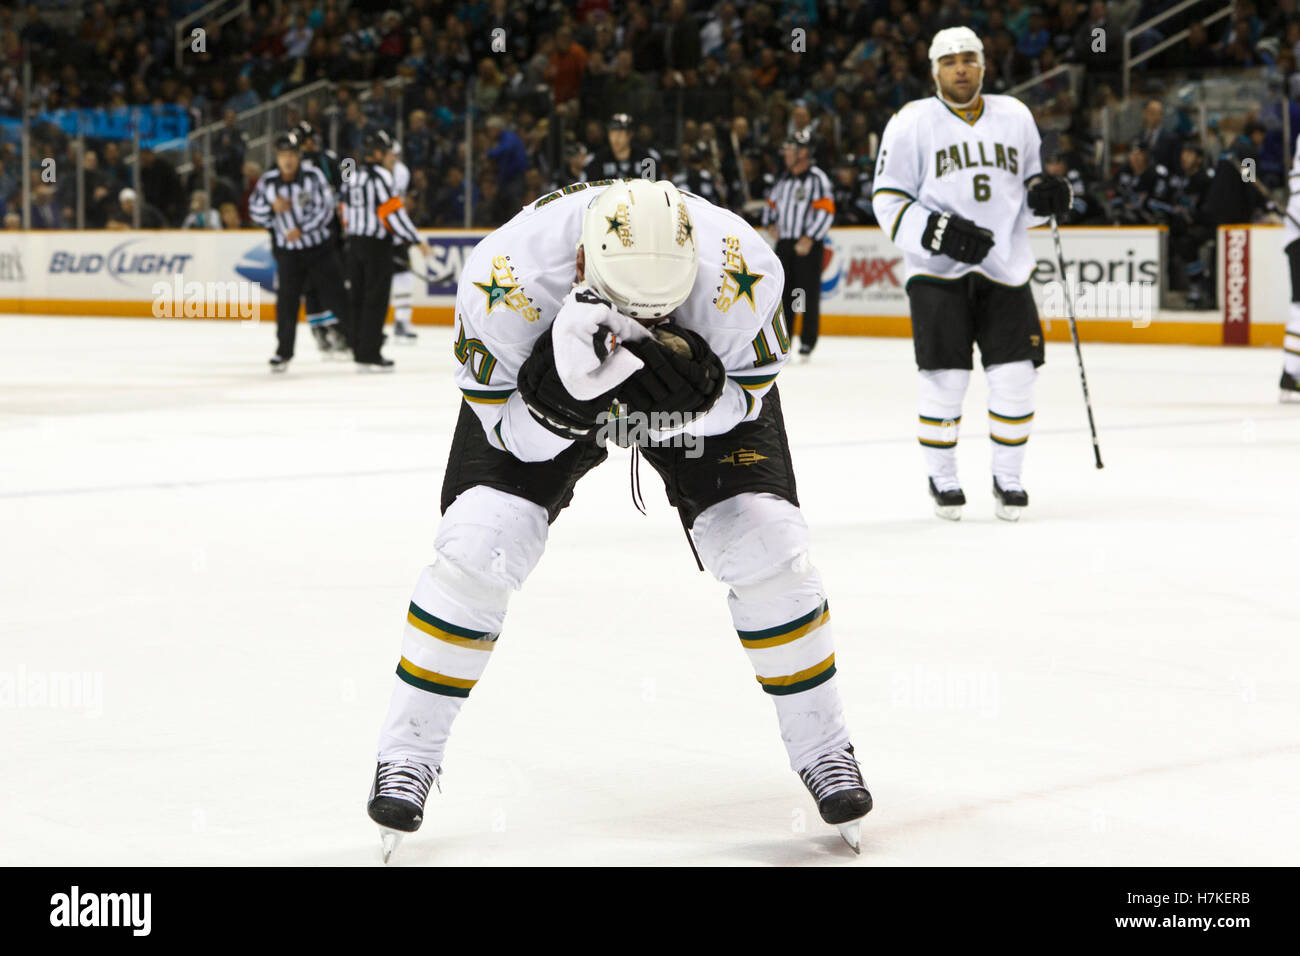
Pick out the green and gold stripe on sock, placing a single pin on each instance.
(1009, 442)
(939, 422)
(422, 620)
(432, 681)
(785, 633)
(803, 680)
(1011, 419)
(928, 443)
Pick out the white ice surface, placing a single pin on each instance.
(230, 555)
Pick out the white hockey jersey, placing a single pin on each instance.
(932, 159)
(401, 179)
(1289, 231)
(515, 279)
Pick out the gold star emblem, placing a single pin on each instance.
(494, 291)
(745, 282)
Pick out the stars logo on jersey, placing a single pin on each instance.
(742, 456)
(503, 287)
(737, 281)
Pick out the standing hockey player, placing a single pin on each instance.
(1290, 383)
(958, 184)
(541, 363)
(403, 286)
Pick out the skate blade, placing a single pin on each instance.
(948, 512)
(1007, 512)
(1287, 397)
(389, 841)
(851, 833)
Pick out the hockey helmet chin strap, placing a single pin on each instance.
(960, 106)
(956, 41)
(979, 88)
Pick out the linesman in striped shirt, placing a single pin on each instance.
(296, 203)
(800, 210)
(372, 216)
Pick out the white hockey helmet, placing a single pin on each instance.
(639, 244)
(954, 40)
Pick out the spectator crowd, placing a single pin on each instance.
(703, 92)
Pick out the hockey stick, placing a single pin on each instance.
(1273, 207)
(1074, 333)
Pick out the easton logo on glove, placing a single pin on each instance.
(950, 235)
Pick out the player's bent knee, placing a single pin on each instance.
(1013, 380)
(757, 544)
(945, 385)
(489, 541)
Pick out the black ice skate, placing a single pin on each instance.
(380, 364)
(1290, 388)
(1008, 501)
(947, 503)
(322, 336)
(397, 799)
(835, 782)
(339, 347)
(278, 363)
(402, 332)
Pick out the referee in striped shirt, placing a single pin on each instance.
(372, 216)
(800, 210)
(296, 203)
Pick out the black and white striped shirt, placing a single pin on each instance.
(373, 208)
(311, 208)
(801, 205)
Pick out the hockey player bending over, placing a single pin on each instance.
(542, 362)
(958, 184)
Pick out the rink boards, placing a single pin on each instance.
(1116, 274)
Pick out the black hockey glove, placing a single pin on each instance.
(548, 400)
(950, 235)
(681, 373)
(1050, 196)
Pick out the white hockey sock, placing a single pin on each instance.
(401, 295)
(487, 544)
(757, 544)
(1291, 342)
(940, 400)
(1011, 416)
(789, 642)
(323, 319)
(443, 656)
